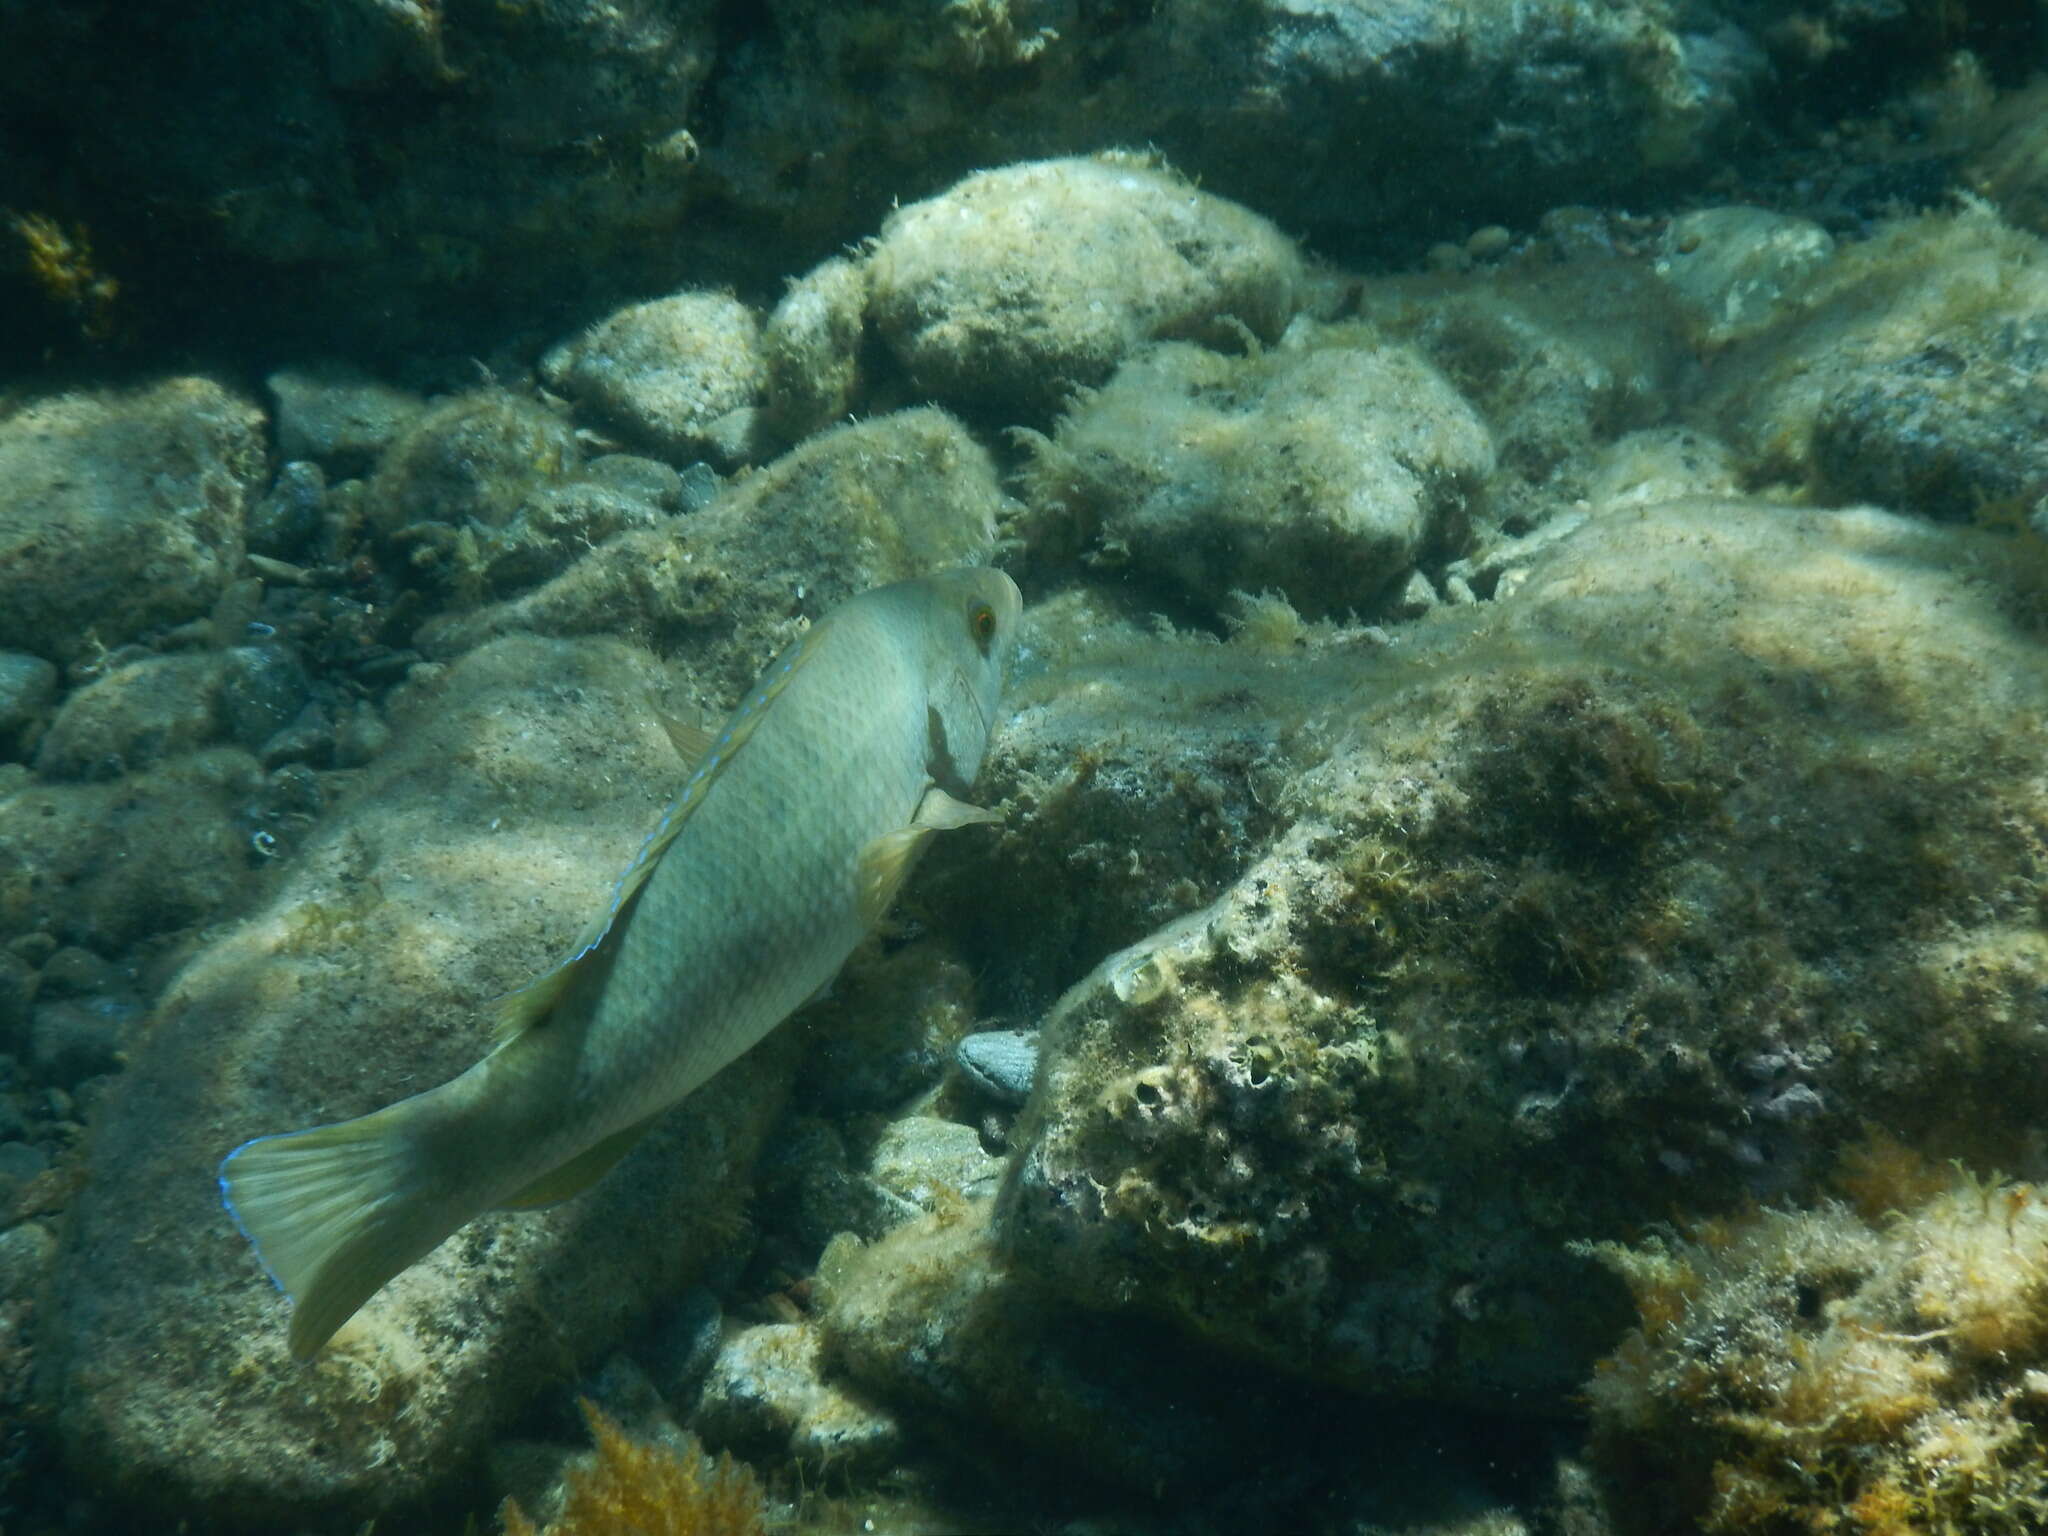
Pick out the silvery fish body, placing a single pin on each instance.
(776, 858)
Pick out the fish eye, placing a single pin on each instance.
(981, 623)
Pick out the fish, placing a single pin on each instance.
(782, 850)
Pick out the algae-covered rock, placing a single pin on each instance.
(123, 511)
(1322, 470)
(1623, 895)
(1899, 352)
(873, 502)
(28, 686)
(1956, 429)
(679, 375)
(1734, 268)
(811, 348)
(111, 863)
(1556, 356)
(931, 1322)
(766, 1396)
(135, 717)
(338, 415)
(470, 459)
(1887, 1357)
(1018, 285)
(520, 781)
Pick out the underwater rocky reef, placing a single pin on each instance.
(1510, 993)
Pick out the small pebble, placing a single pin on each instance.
(1003, 1063)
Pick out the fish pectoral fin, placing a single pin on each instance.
(938, 811)
(886, 862)
(580, 1172)
(692, 742)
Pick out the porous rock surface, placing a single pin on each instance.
(1628, 893)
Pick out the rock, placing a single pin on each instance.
(666, 373)
(929, 1161)
(1556, 356)
(308, 738)
(681, 1345)
(26, 1253)
(366, 976)
(1594, 882)
(880, 1038)
(134, 718)
(1140, 771)
(1019, 285)
(18, 985)
(864, 504)
(765, 1396)
(1002, 1063)
(290, 514)
(810, 1189)
(1321, 470)
(108, 864)
(930, 1323)
(75, 972)
(1499, 111)
(561, 520)
(262, 689)
(1894, 1343)
(1662, 464)
(810, 349)
(338, 415)
(28, 687)
(1884, 341)
(124, 511)
(1734, 268)
(1956, 429)
(70, 1041)
(559, 165)
(471, 459)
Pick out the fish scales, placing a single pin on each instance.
(770, 866)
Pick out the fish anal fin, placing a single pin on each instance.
(886, 861)
(580, 1172)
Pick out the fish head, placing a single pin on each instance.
(969, 623)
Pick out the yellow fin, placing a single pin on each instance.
(526, 1007)
(692, 742)
(886, 862)
(580, 1172)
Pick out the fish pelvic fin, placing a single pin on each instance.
(521, 1010)
(886, 861)
(334, 1212)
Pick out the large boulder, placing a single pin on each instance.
(1628, 894)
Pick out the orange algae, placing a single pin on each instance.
(633, 1487)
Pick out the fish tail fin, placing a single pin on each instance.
(335, 1211)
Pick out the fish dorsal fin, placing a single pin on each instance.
(886, 861)
(524, 1008)
(580, 1172)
